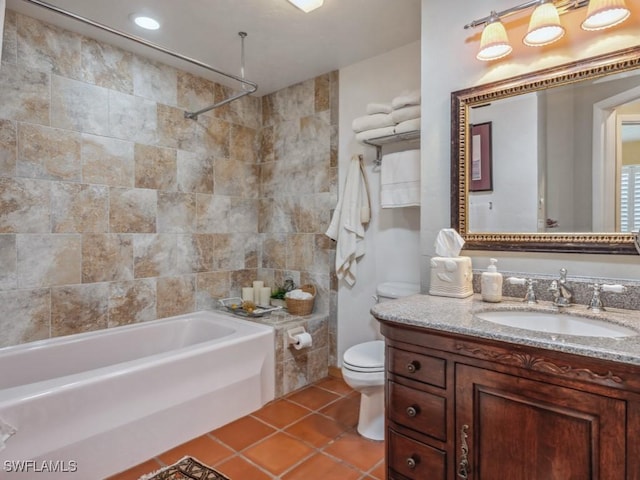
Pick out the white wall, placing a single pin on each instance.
(393, 235)
(449, 64)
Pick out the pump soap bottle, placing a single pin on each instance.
(491, 283)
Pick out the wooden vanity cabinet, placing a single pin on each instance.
(461, 407)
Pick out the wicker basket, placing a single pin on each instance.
(302, 307)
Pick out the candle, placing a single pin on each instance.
(247, 294)
(265, 296)
(257, 285)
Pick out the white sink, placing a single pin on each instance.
(562, 324)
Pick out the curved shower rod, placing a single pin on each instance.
(252, 87)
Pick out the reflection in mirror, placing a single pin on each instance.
(564, 158)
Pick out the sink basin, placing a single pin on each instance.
(562, 324)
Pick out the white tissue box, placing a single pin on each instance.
(451, 277)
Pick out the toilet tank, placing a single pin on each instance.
(390, 290)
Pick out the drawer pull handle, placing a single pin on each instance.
(413, 410)
(463, 466)
(413, 367)
(412, 462)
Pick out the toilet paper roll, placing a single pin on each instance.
(304, 341)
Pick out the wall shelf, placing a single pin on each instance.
(379, 142)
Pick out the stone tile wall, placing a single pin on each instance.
(115, 209)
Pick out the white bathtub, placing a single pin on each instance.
(93, 404)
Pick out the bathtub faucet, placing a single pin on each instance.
(562, 294)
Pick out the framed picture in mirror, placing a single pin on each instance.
(481, 178)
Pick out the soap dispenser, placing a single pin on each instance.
(491, 283)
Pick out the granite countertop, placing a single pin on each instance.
(458, 316)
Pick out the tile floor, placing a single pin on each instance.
(309, 434)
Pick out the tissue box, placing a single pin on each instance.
(451, 277)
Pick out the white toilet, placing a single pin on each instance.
(363, 369)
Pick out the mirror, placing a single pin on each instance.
(548, 161)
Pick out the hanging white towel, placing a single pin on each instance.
(3, 7)
(370, 122)
(348, 221)
(378, 108)
(406, 113)
(400, 179)
(410, 98)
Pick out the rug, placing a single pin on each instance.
(186, 469)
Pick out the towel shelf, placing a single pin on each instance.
(379, 142)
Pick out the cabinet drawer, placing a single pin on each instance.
(415, 460)
(420, 411)
(416, 366)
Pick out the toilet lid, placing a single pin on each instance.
(365, 357)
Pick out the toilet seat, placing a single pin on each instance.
(365, 357)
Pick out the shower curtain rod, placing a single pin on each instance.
(252, 87)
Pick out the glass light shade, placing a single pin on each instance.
(604, 14)
(147, 23)
(307, 5)
(544, 26)
(494, 42)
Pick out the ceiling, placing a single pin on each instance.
(284, 45)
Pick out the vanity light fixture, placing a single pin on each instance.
(145, 22)
(307, 5)
(604, 14)
(544, 25)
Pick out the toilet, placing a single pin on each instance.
(363, 368)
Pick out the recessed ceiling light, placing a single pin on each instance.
(145, 22)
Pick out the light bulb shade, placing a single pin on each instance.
(307, 5)
(494, 42)
(604, 14)
(544, 26)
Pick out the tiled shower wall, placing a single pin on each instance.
(115, 209)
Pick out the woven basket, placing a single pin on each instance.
(302, 307)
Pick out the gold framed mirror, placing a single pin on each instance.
(554, 155)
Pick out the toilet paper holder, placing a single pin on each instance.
(292, 335)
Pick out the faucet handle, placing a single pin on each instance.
(596, 305)
(563, 275)
(530, 296)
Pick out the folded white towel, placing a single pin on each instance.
(370, 122)
(347, 223)
(410, 98)
(400, 179)
(406, 113)
(373, 108)
(376, 132)
(408, 126)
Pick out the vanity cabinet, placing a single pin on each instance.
(461, 407)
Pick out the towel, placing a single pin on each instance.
(371, 122)
(3, 6)
(375, 133)
(408, 126)
(411, 98)
(347, 223)
(406, 113)
(400, 179)
(378, 108)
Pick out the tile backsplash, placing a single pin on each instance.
(114, 208)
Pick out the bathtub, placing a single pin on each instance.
(90, 405)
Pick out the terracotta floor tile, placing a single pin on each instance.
(243, 432)
(203, 448)
(380, 472)
(321, 467)
(357, 451)
(334, 384)
(136, 472)
(240, 468)
(344, 411)
(278, 453)
(316, 430)
(313, 397)
(281, 413)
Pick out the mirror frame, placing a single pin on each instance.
(463, 100)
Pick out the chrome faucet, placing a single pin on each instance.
(562, 294)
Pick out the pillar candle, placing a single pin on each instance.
(265, 296)
(257, 285)
(247, 294)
